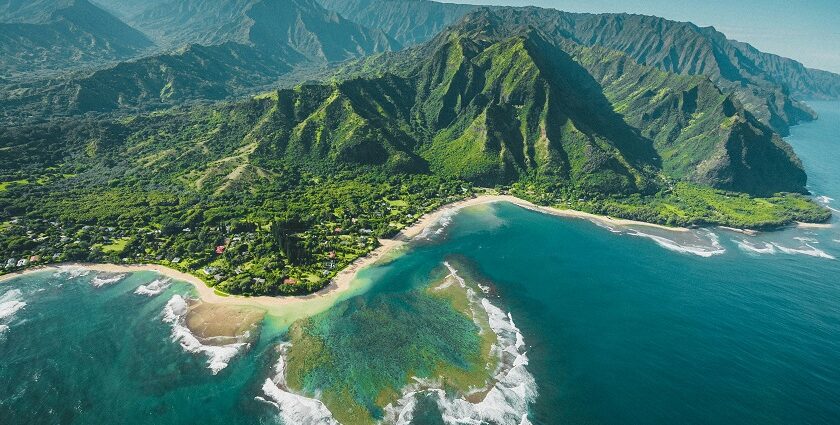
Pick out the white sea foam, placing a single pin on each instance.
(293, 408)
(9, 308)
(71, 272)
(218, 356)
(106, 279)
(714, 247)
(601, 224)
(747, 246)
(805, 249)
(824, 199)
(826, 202)
(507, 402)
(10, 303)
(439, 226)
(155, 288)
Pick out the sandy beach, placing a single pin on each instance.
(344, 279)
(814, 225)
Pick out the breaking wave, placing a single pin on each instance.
(10, 303)
(293, 408)
(747, 246)
(601, 224)
(71, 272)
(714, 247)
(805, 249)
(770, 248)
(218, 356)
(826, 202)
(438, 226)
(154, 288)
(506, 402)
(103, 279)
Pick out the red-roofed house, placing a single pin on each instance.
(220, 249)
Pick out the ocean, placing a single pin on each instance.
(593, 325)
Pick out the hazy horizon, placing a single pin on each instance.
(811, 35)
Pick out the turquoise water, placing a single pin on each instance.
(623, 325)
(76, 353)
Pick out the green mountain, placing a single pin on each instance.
(298, 182)
(281, 35)
(50, 36)
(487, 108)
(768, 85)
(496, 107)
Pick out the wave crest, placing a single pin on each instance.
(754, 248)
(71, 272)
(154, 288)
(439, 226)
(218, 356)
(293, 408)
(103, 279)
(10, 303)
(712, 249)
(510, 397)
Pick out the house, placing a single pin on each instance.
(34, 258)
(10, 263)
(289, 281)
(22, 262)
(259, 280)
(176, 260)
(331, 255)
(220, 249)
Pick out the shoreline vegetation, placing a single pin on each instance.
(342, 282)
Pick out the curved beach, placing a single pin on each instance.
(342, 283)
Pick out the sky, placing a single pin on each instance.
(805, 30)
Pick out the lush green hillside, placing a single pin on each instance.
(276, 193)
(44, 37)
(281, 35)
(768, 85)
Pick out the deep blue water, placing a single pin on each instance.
(618, 328)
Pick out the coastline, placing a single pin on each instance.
(342, 282)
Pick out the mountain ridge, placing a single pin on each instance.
(774, 82)
(45, 37)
